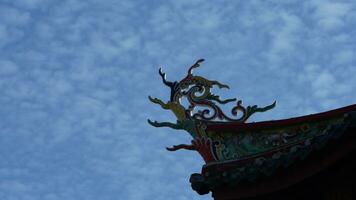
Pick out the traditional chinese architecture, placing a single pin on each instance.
(305, 157)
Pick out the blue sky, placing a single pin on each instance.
(75, 76)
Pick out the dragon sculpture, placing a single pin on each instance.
(197, 90)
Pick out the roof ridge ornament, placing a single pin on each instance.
(197, 90)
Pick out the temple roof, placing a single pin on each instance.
(284, 166)
(278, 123)
(247, 156)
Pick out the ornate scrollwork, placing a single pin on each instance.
(197, 90)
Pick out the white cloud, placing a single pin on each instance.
(7, 68)
(330, 15)
(14, 186)
(344, 57)
(285, 35)
(13, 17)
(131, 42)
(3, 32)
(28, 4)
(44, 31)
(323, 84)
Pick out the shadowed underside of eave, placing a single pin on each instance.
(324, 174)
